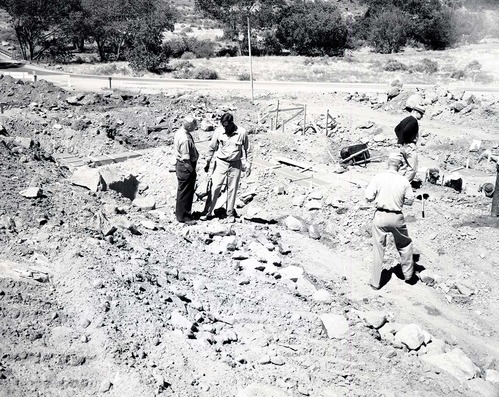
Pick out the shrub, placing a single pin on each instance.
(312, 28)
(458, 74)
(200, 73)
(203, 48)
(387, 32)
(426, 66)
(483, 77)
(392, 65)
(473, 65)
(203, 73)
(174, 47)
(188, 55)
(244, 77)
(183, 65)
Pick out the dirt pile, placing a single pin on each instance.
(101, 295)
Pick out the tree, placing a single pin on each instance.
(387, 32)
(313, 29)
(234, 14)
(114, 24)
(428, 22)
(38, 23)
(144, 41)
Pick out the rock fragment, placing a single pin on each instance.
(411, 336)
(31, 192)
(455, 363)
(336, 325)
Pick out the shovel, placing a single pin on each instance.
(423, 197)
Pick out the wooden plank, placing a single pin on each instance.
(294, 163)
(353, 155)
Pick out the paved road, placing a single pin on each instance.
(95, 83)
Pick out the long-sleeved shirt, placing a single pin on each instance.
(390, 191)
(230, 148)
(184, 146)
(407, 130)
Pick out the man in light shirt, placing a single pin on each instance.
(187, 156)
(230, 145)
(390, 191)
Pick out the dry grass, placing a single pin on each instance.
(358, 66)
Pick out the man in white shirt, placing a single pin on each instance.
(186, 155)
(390, 191)
(229, 145)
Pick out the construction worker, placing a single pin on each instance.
(229, 144)
(187, 156)
(390, 191)
(407, 132)
(494, 191)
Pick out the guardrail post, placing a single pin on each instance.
(69, 80)
(304, 118)
(110, 80)
(327, 119)
(35, 77)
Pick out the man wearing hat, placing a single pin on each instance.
(230, 145)
(492, 191)
(389, 190)
(407, 132)
(187, 156)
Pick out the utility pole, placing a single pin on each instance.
(251, 62)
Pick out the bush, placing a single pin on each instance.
(392, 65)
(473, 65)
(387, 32)
(483, 77)
(203, 48)
(227, 50)
(200, 73)
(244, 76)
(203, 73)
(312, 28)
(426, 66)
(183, 65)
(177, 46)
(458, 74)
(188, 55)
(174, 47)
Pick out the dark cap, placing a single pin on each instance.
(227, 118)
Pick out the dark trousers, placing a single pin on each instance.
(185, 191)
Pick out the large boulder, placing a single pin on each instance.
(295, 223)
(482, 388)
(455, 363)
(336, 325)
(411, 336)
(89, 178)
(261, 390)
(414, 100)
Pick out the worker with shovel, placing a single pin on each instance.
(494, 190)
(407, 132)
(390, 191)
(230, 146)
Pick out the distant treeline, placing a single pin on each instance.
(133, 30)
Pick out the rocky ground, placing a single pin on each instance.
(102, 292)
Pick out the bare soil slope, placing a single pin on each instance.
(101, 296)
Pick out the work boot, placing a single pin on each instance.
(231, 219)
(206, 217)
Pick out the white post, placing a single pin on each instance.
(251, 64)
(69, 80)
